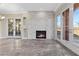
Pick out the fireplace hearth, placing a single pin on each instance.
(41, 34)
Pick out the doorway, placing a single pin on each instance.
(14, 28)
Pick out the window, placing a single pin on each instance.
(59, 27)
(76, 24)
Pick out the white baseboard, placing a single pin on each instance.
(3, 37)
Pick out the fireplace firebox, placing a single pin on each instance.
(41, 34)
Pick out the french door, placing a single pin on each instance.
(14, 28)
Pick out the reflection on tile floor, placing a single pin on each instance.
(18, 47)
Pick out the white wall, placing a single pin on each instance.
(35, 20)
(0, 28)
(4, 28)
(40, 21)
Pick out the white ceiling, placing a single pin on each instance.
(19, 7)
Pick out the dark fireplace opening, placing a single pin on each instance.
(41, 34)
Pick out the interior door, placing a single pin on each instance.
(14, 27)
(66, 24)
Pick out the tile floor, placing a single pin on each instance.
(30, 47)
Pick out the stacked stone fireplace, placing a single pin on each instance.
(40, 34)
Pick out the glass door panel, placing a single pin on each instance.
(17, 27)
(10, 27)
